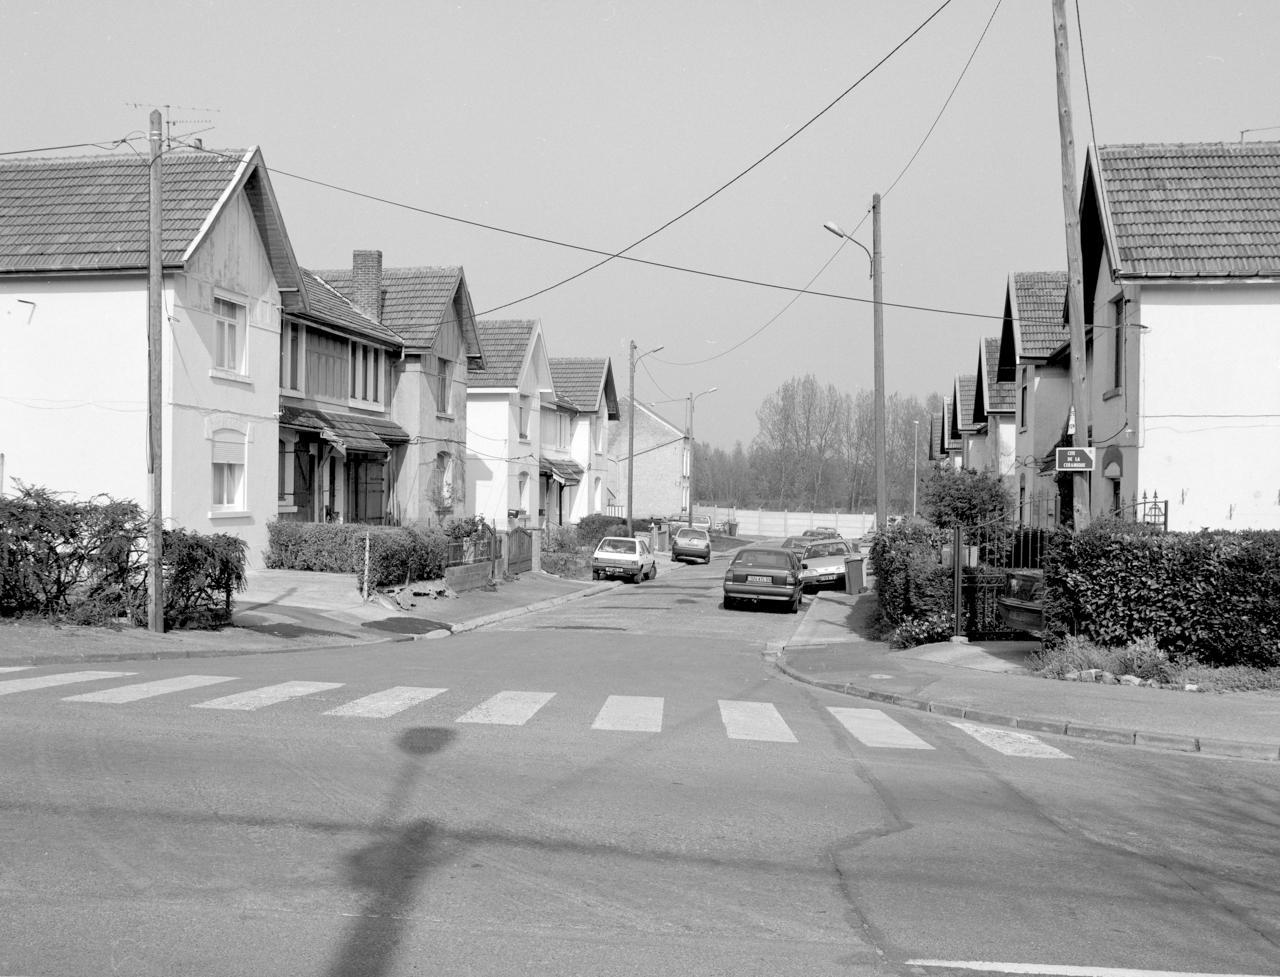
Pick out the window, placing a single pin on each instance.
(326, 359)
(228, 470)
(1022, 406)
(1118, 320)
(444, 387)
(524, 418)
(444, 479)
(290, 356)
(364, 372)
(562, 430)
(599, 434)
(228, 335)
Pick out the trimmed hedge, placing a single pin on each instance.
(1208, 597)
(397, 554)
(913, 590)
(595, 527)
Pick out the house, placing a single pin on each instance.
(74, 374)
(504, 429)
(1032, 332)
(585, 391)
(339, 451)
(660, 486)
(1181, 265)
(994, 409)
(429, 311)
(963, 428)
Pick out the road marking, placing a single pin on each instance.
(145, 690)
(1050, 970)
(380, 705)
(631, 713)
(15, 668)
(871, 727)
(1010, 743)
(507, 708)
(12, 685)
(267, 696)
(754, 721)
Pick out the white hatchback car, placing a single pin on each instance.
(619, 556)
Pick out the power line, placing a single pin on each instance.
(1084, 65)
(108, 144)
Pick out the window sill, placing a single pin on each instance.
(442, 416)
(524, 439)
(218, 373)
(1112, 394)
(286, 508)
(229, 514)
(367, 404)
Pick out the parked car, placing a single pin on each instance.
(823, 563)
(796, 544)
(822, 532)
(618, 556)
(691, 544)
(1021, 606)
(763, 573)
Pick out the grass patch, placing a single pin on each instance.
(1146, 661)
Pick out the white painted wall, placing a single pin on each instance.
(489, 433)
(1210, 395)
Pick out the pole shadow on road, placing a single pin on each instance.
(390, 868)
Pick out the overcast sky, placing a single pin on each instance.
(594, 123)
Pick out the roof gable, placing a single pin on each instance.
(1198, 210)
(416, 302)
(585, 383)
(92, 213)
(328, 306)
(1034, 306)
(965, 391)
(511, 346)
(997, 396)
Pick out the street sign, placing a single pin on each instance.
(1074, 460)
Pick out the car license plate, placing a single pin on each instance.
(755, 578)
(826, 577)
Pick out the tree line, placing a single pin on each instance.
(814, 451)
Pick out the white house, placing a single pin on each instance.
(1181, 248)
(587, 386)
(661, 454)
(74, 370)
(504, 422)
(994, 408)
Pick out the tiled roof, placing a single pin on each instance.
(324, 302)
(937, 427)
(91, 213)
(950, 441)
(505, 342)
(415, 301)
(1194, 209)
(579, 380)
(966, 388)
(356, 431)
(1038, 298)
(999, 394)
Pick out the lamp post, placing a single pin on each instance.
(915, 465)
(877, 293)
(631, 423)
(693, 399)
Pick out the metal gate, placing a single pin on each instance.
(987, 553)
(520, 556)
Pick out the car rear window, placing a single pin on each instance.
(617, 546)
(691, 534)
(763, 558)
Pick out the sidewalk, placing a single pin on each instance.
(986, 683)
(290, 611)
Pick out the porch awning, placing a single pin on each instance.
(351, 432)
(562, 470)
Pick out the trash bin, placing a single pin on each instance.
(854, 583)
(731, 528)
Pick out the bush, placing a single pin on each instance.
(911, 585)
(923, 629)
(595, 527)
(560, 539)
(398, 556)
(1207, 597)
(330, 547)
(959, 496)
(201, 572)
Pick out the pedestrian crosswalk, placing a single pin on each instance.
(740, 719)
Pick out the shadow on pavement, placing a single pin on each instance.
(407, 625)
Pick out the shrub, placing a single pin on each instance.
(330, 547)
(1208, 597)
(201, 572)
(959, 496)
(923, 629)
(398, 556)
(910, 582)
(468, 527)
(595, 527)
(559, 539)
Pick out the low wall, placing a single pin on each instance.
(469, 576)
(769, 523)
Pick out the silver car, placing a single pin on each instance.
(619, 556)
(691, 544)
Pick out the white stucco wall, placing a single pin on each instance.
(1210, 392)
(488, 468)
(73, 385)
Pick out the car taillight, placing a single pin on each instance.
(728, 576)
(791, 579)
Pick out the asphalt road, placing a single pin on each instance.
(635, 791)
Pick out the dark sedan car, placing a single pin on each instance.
(763, 573)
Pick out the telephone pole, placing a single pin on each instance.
(1075, 280)
(155, 446)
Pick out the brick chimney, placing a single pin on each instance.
(366, 281)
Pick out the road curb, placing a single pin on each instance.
(1208, 746)
(98, 658)
(479, 622)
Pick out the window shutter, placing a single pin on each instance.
(228, 447)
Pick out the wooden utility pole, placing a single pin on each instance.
(631, 428)
(877, 297)
(155, 445)
(1075, 280)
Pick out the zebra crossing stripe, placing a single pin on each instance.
(754, 721)
(14, 668)
(146, 690)
(1012, 743)
(871, 727)
(507, 708)
(380, 705)
(631, 714)
(267, 696)
(9, 686)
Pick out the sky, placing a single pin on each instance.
(593, 124)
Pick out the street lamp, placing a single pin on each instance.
(915, 465)
(877, 293)
(693, 399)
(631, 424)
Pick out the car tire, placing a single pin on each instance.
(730, 604)
(795, 604)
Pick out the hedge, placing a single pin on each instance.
(397, 554)
(913, 591)
(1207, 597)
